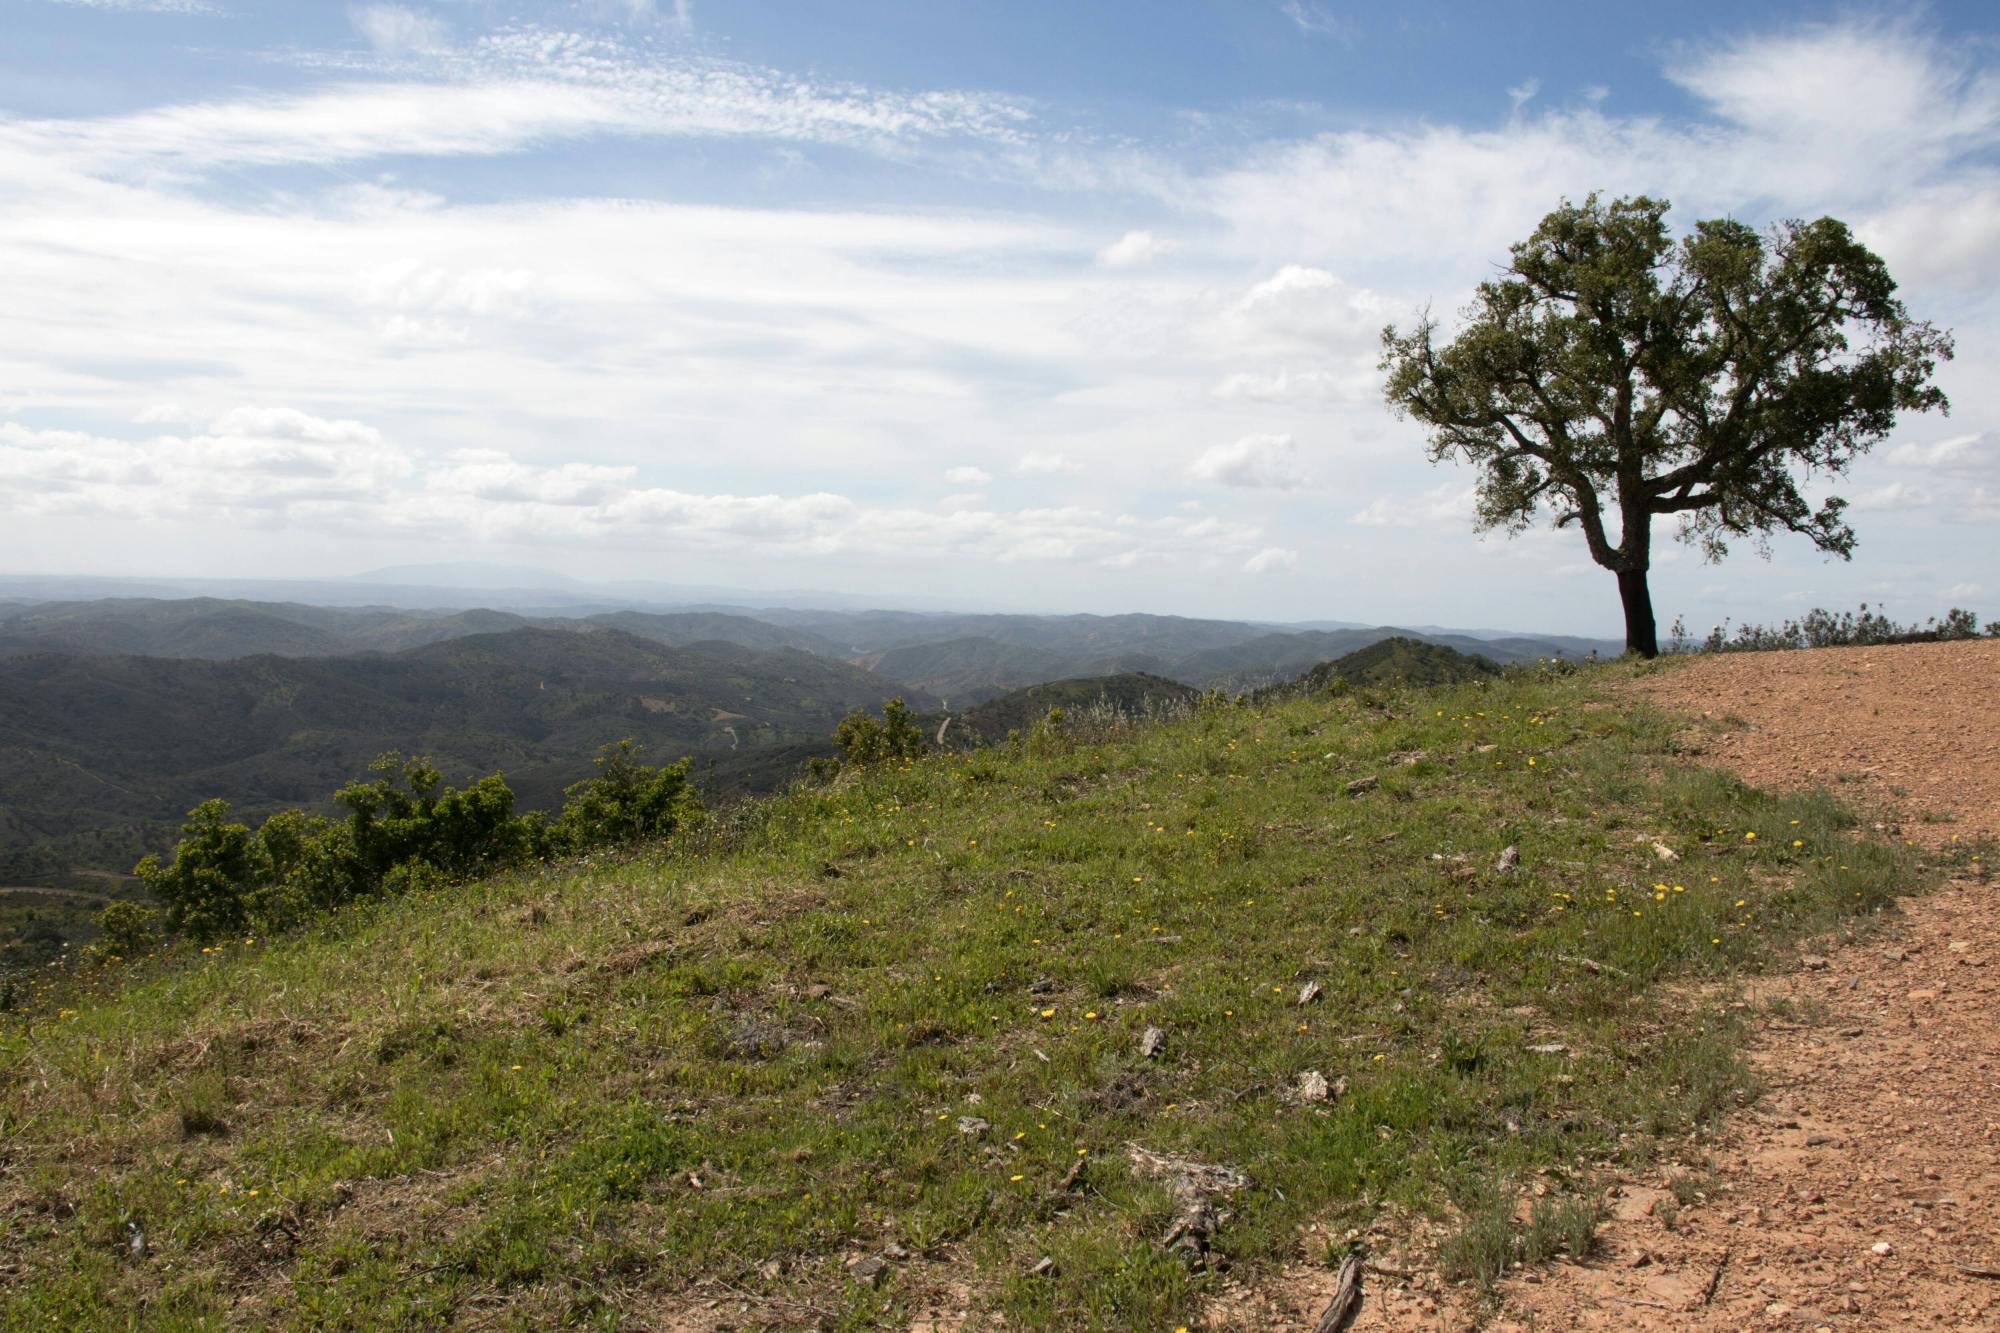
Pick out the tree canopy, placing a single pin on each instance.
(1612, 374)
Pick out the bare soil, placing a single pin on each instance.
(1863, 1190)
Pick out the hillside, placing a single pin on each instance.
(1057, 1035)
(1400, 661)
(1134, 695)
(100, 756)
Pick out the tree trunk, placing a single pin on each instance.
(1640, 635)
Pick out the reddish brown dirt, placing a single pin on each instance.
(1914, 727)
(1863, 1190)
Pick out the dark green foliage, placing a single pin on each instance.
(405, 831)
(127, 929)
(1613, 375)
(215, 867)
(863, 740)
(626, 802)
(1400, 661)
(404, 816)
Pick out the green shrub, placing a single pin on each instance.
(626, 802)
(216, 865)
(863, 740)
(126, 930)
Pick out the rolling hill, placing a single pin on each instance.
(100, 756)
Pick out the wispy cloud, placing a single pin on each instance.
(506, 92)
(1316, 21)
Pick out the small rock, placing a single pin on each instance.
(1814, 962)
(137, 1241)
(1664, 852)
(972, 1124)
(1359, 785)
(770, 1270)
(894, 1251)
(1821, 1141)
(1313, 1086)
(1308, 993)
(1151, 1042)
(1044, 1267)
(1882, 1248)
(1509, 857)
(1548, 1048)
(869, 1271)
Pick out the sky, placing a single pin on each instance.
(1028, 305)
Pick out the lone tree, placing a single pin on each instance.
(1612, 374)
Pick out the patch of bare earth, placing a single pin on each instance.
(1863, 1190)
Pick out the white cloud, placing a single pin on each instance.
(1523, 92)
(1891, 496)
(1448, 505)
(1136, 248)
(268, 467)
(1038, 462)
(259, 466)
(1963, 591)
(1960, 451)
(1270, 558)
(1286, 385)
(1258, 461)
(968, 476)
(397, 31)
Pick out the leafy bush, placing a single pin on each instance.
(626, 802)
(458, 833)
(215, 867)
(863, 740)
(126, 930)
(404, 830)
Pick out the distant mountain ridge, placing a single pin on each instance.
(965, 659)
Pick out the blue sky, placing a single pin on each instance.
(1037, 305)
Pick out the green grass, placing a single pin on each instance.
(621, 1089)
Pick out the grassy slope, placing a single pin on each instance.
(498, 1105)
